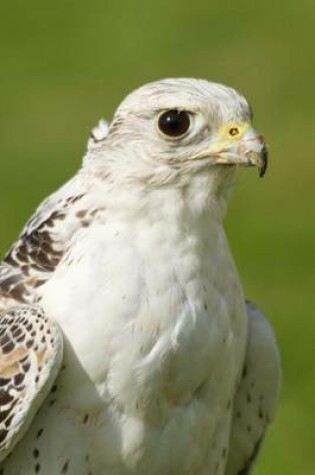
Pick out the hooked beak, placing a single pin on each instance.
(238, 144)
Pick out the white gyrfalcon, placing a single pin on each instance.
(126, 343)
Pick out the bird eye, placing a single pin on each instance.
(174, 123)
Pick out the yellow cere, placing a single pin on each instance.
(234, 129)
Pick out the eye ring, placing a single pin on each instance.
(174, 123)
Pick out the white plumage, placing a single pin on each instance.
(166, 370)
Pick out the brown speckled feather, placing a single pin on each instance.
(41, 245)
(30, 344)
(30, 357)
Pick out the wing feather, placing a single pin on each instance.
(41, 245)
(31, 352)
(257, 395)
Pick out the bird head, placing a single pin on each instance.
(175, 128)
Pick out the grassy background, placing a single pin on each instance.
(66, 63)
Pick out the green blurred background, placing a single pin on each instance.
(65, 64)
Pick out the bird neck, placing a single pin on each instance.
(198, 197)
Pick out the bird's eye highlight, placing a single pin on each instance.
(174, 123)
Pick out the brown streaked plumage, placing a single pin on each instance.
(30, 357)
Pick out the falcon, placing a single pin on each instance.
(126, 343)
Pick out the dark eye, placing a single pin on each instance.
(174, 123)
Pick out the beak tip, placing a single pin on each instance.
(264, 162)
(262, 171)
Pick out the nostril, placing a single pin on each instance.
(234, 131)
